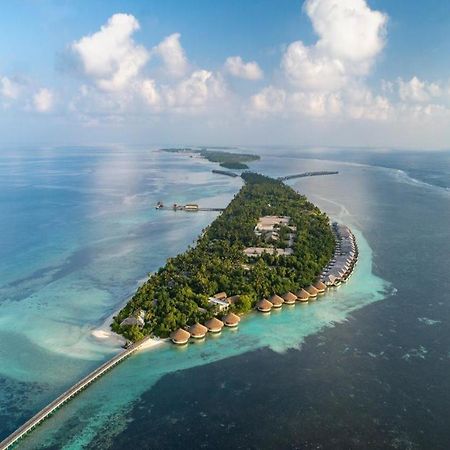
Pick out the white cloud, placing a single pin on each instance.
(150, 92)
(308, 70)
(268, 101)
(43, 100)
(416, 90)
(9, 88)
(350, 36)
(172, 54)
(238, 68)
(361, 103)
(315, 104)
(348, 30)
(200, 89)
(110, 55)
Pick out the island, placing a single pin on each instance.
(225, 159)
(268, 240)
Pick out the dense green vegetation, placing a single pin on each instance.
(177, 295)
(228, 160)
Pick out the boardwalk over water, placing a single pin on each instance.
(69, 394)
(308, 174)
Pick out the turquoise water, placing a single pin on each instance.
(78, 234)
(94, 236)
(347, 361)
(108, 399)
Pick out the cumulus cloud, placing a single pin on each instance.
(200, 89)
(43, 100)
(350, 36)
(240, 69)
(173, 55)
(150, 92)
(309, 70)
(417, 91)
(268, 100)
(110, 56)
(327, 78)
(348, 30)
(316, 104)
(9, 88)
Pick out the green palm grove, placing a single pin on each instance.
(177, 295)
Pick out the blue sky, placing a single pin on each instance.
(322, 72)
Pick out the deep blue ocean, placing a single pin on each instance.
(367, 366)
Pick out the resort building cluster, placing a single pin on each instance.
(345, 256)
(336, 272)
(268, 228)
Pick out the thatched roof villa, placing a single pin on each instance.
(312, 291)
(302, 295)
(214, 325)
(198, 331)
(264, 305)
(289, 298)
(321, 287)
(231, 320)
(180, 336)
(276, 301)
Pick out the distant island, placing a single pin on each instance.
(268, 240)
(228, 160)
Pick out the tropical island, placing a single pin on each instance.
(225, 159)
(291, 253)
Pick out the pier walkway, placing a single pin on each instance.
(182, 208)
(308, 174)
(69, 394)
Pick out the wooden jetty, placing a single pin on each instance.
(308, 174)
(225, 172)
(190, 207)
(69, 394)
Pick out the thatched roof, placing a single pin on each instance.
(180, 336)
(302, 295)
(289, 298)
(214, 324)
(320, 286)
(220, 295)
(276, 300)
(231, 319)
(312, 291)
(198, 330)
(264, 305)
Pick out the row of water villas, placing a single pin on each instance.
(341, 266)
(338, 270)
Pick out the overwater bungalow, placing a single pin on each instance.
(214, 325)
(276, 301)
(330, 280)
(321, 287)
(198, 331)
(312, 291)
(302, 295)
(231, 320)
(289, 298)
(180, 336)
(264, 306)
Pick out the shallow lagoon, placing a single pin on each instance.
(128, 401)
